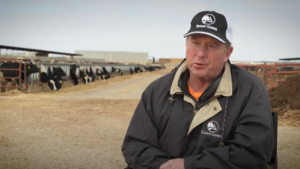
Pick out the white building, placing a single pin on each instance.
(116, 56)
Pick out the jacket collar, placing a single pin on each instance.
(225, 87)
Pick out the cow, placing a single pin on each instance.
(91, 74)
(150, 68)
(45, 79)
(73, 73)
(26, 67)
(89, 78)
(58, 81)
(83, 75)
(107, 75)
(154, 67)
(113, 69)
(137, 69)
(53, 80)
(143, 68)
(58, 71)
(102, 73)
(99, 73)
(131, 71)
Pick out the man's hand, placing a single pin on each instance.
(177, 163)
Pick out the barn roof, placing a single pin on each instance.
(38, 50)
(289, 59)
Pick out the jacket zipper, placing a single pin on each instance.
(199, 106)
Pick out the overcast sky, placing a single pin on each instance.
(262, 29)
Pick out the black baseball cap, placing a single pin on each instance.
(212, 24)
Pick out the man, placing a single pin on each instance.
(207, 114)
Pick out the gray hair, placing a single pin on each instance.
(228, 45)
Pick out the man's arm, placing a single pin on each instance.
(141, 147)
(177, 163)
(252, 145)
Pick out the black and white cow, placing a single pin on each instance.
(58, 71)
(73, 73)
(137, 69)
(83, 75)
(118, 70)
(29, 68)
(154, 67)
(107, 75)
(58, 81)
(131, 71)
(143, 68)
(53, 80)
(90, 74)
(150, 68)
(102, 73)
(46, 79)
(99, 73)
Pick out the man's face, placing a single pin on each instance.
(205, 56)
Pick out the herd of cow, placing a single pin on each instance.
(55, 78)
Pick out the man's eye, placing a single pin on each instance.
(211, 46)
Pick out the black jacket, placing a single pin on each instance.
(231, 129)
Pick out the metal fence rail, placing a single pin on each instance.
(273, 74)
(34, 78)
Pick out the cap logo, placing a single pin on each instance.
(208, 19)
(213, 126)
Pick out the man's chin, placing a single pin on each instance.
(198, 73)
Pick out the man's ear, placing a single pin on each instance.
(228, 53)
(186, 40)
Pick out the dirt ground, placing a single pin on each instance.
(83, 126)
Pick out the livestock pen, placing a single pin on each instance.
(32, 82)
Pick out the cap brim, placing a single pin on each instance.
(205, 33)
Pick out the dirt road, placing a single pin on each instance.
(83, 127)
(128, 89)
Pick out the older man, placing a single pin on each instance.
(207, 114)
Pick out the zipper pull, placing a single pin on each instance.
(197, 107)
(171, 99)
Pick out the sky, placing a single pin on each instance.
(263, 30)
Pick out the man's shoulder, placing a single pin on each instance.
(166, 80)
(243, 76)
(162, 83)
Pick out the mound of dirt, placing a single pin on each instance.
(290, 118)
(285, 100)
(286, 95)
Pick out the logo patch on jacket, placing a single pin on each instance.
(212, 128)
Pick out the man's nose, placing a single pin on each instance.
(201, 51)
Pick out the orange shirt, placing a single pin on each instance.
(196, 95)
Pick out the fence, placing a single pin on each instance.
(15, 72)
(273, 74)
(34, 78)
